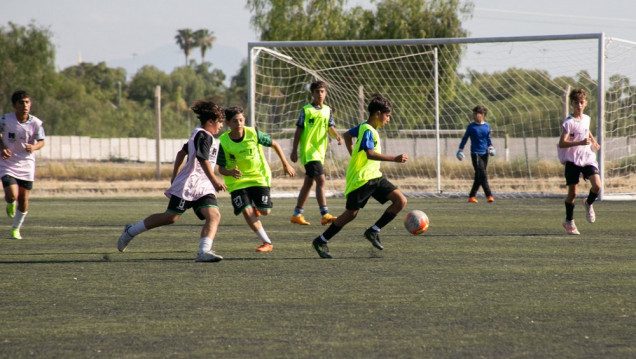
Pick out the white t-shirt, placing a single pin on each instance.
(577, 130)
(21, 164)
(191, 183)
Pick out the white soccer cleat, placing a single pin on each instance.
(570, 227)
(208, 256)
(589, 212)
(124, 239)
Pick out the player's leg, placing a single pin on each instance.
(10, 186)
(595, 181)
(385, 191)
(484, 178)
(321, 198)
(476, 179)
(24, 192)
(320, 243)
(175, 209)
(210, 213)
(261, 199)
(303, 196)
(572, 173)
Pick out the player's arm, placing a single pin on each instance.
(294, 151)
(372, 155)
(334, 134)
(221, 165)
(209, 172)
(594, 143)
(178, 161)
(289, 170)
(564, 143)
(34, 147)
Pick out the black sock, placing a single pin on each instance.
(591, 197)
(569, 211)
(385, 219)
(331, 231)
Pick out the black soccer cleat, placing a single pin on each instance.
(374, 238)
(321, 248)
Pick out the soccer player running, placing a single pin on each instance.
(480, 148)
(21, 134)
(575, 152)
(314, 124)
(193, 186)
(364, 178)
(246, 171)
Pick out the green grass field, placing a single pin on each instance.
(499, 280)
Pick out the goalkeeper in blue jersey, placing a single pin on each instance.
(480, 148)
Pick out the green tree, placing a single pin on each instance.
(204, 39)
(186, 41)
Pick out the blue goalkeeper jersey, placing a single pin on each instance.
(479, 134)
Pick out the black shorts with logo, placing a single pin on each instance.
(378, 188)
(251, 196)
(179, 206)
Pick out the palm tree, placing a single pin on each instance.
(204, 39)
(186, 41)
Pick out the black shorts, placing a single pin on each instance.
(8, 180)
(251, 196)
(314, 169)
(573, 172)
(378, 188)
(179, 206)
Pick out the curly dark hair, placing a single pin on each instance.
(208, 110)
(379, 103)
(578, 94)
(233, 111)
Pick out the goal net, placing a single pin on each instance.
(433, 85)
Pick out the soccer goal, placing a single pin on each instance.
(434, 84)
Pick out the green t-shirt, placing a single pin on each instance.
(247, 155)
(361, 169)
(313, 139)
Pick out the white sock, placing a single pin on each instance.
(375, 228)
(263, 236)
(19, 219)
(137, 228)
(205, 245)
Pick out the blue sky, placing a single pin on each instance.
(134, 33)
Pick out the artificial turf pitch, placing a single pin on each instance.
(488, 280)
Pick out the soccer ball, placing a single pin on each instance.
(416, 222)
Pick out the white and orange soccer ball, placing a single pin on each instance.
(416, 222)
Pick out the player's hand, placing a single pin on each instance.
(492, 151)
(339, 139)
(585, 142)
(596, 146)
(28, 147)
(219, 187)
(6, 153)
(236, 173)
(294, 157)
(460, 155)
(289, 170)
(401, 158)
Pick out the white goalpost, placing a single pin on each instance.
(434, 84)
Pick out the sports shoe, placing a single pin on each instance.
(472, 200)
(589, 212)
(299, 219)
(11, 210)
(491, 199)
(321, 248)
(327, 219)
(374, 238)
(570, 227)
(124, 239)
(208, 256)
(265, 247)
(15, 234)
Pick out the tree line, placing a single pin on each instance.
(98, 101)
